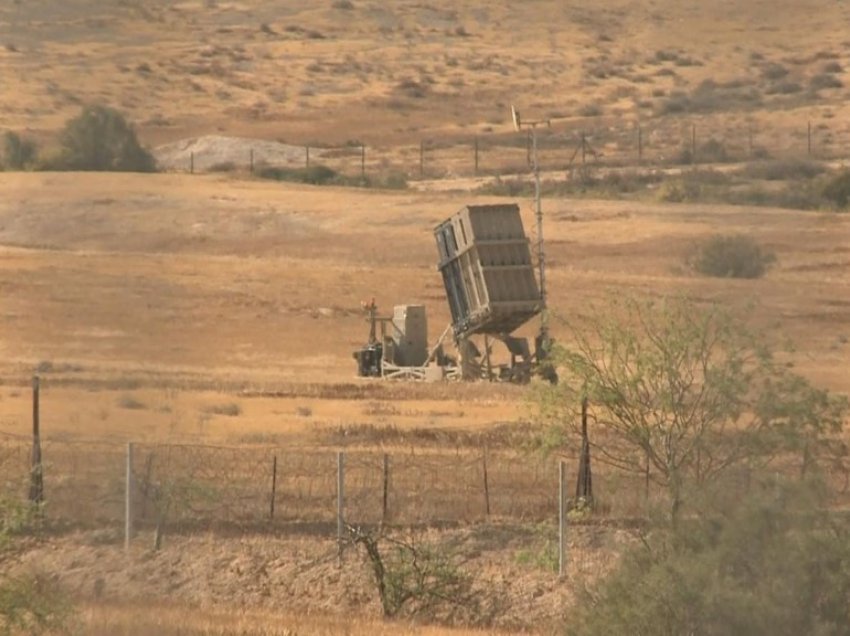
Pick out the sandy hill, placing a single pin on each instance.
(382, 72)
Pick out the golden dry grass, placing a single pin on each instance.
(400, 71)
(162, 619)
(185, 293)
(222, 310)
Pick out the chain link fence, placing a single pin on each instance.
(197, 487)
(601, 142)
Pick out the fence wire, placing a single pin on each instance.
(196, 487)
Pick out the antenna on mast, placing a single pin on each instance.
(544, 342)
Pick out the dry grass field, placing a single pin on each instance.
(223, 309)
(394, 72)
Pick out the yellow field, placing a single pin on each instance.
(402, 71)
(223, 309)
(182, 293)
(165, 620)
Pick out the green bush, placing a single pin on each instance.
(315, 175)
(837, 190)
(731, 256)
(33, 604)
(319, 174)
(783, 169)
(100, 138)
(774, 564)
(18, 153)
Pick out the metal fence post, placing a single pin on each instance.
(386, 494)
(562, 518)
(340, 502)
(128, 498)
(274, 488)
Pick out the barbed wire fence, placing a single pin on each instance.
(198, 487)
(600, 142)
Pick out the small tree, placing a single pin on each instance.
(100, 138)
(412, 577)
(686, 393)
(18, 153)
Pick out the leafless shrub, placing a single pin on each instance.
(228, 409)
(773, 71)
(824, 81)
(132, 403)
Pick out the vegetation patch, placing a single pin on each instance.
(131, 402)
(101, 139)
(323, 175)
(228, 409)
(711, 96)
(18, 153)
(731, 256)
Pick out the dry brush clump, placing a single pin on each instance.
(415, 578)
(18, 153)
(731, 256)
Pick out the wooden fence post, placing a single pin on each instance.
(363, 162)
(693, 144)
(274, 487)
(640, 143)
(476, 154)
(251, 160)
(340, 503)
(36, 493)
(306, 156)
(192, 162)
(128, 498)
(809, 138)
(386, 493)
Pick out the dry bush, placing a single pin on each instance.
(228, 409)
(131, 402)
(837, 190)
(590, 110)
(773, 71)
(783, 88)
(824, 81)
(18, 153)
(415, 578)
(731, 256)
(711, 96)
(783, 169)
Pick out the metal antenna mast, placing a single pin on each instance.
(541, 256)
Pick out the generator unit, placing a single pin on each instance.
(485, 262)
(402, 348)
